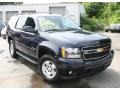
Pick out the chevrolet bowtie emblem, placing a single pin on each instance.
(100, 49)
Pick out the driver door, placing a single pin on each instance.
(29, 39)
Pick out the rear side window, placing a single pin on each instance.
(21, 22)
(12, 21)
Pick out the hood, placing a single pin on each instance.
(77, 38)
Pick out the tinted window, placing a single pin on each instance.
(21, 22)
(30, 22)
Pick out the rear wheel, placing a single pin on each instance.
(48, 68)
(12, 49)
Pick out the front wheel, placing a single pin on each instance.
(12, 49)
(48, 68)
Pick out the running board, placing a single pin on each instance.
(32, 60)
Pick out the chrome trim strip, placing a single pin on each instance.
(97, 45)
(94, 50)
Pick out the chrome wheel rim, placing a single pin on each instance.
(49, 69)
(11, 48)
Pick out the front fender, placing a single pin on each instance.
(51, 46)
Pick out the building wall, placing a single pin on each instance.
(71, 9)
(0, 15)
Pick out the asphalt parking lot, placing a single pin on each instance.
(21, 73)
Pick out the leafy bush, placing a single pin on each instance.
(91, 24)
(94, 8)
(111, 13)
(100, 14)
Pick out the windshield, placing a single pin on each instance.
(56, 23)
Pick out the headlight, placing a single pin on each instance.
(70, 52)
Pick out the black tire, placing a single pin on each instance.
(44, 59)
(12, 53)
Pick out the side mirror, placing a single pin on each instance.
(29, 29)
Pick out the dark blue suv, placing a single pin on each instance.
(59, 47)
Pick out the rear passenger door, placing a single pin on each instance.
(12, 31)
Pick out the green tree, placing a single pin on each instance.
(100, 14)
(111, 13)
(94, 8)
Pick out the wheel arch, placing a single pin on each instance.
(10, 38)
(47, 48)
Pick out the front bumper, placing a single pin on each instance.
(73, 68)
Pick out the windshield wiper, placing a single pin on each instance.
(60, 30)
(72, 29)
(52, 30)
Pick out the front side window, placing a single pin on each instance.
(12, 21)
(56, 23)
(21, 22)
